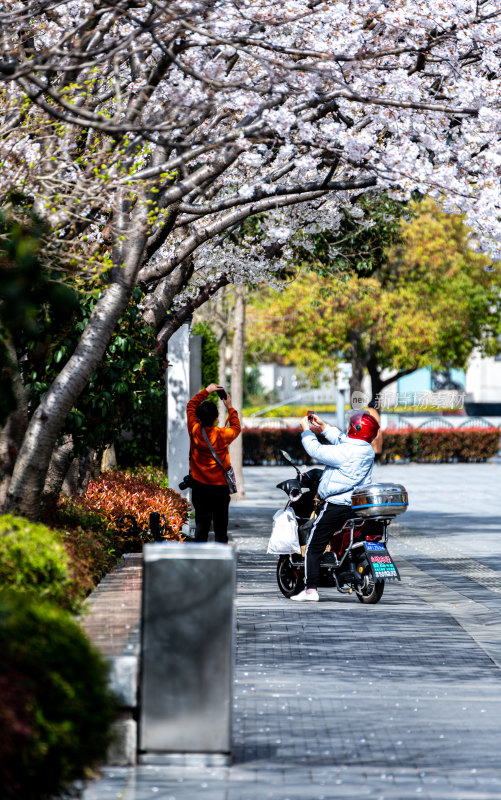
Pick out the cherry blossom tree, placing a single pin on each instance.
(147, 132)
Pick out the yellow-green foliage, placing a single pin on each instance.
(33, 560)
(429, 304)
(289, 411)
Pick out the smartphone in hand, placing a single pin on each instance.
(221, 393)
(309, 414)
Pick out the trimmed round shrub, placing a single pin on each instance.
(33, 559)
(56, 708)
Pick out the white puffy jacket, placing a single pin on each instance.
(348, 462)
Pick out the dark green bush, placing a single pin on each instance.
(210, 353)
(260, 445)
(33, 559)
(55, 706)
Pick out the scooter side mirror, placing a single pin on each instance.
(286, 457)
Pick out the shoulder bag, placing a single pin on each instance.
(229, 474)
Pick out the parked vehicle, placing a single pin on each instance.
(357, 559)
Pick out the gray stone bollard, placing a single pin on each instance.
(123, 682)
(187, 653)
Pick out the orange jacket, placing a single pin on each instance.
(203, 466)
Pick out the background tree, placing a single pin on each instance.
(146, 132)
(429, 303)
(237, 382)
(360, 240)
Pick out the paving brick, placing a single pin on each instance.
(112, 616)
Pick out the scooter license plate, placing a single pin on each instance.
(380, 562)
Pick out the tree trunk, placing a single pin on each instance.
(219, 319)
(11, 436)
(59, 465)
(357, 376)
(237, 384)
(218, 313)
(30, 472)
(377, 382)
(80, 472)
(357, 365)
(221, 377)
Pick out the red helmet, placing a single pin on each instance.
(363, 426)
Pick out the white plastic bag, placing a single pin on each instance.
(284, 538)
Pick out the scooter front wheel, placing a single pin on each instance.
(290, 578)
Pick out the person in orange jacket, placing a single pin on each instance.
(210, 494)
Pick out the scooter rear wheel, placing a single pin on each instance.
(371, 593)
(290, 580)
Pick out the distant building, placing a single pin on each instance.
(480, 383)
(477, 389)
(483, 386)
(282, 383)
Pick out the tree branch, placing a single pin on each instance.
(158, 271)
(174, 321)
(259, 193)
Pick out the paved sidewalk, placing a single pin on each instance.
(341, 700)
(114, 609)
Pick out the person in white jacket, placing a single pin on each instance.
(349, 459)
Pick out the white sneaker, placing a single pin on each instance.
(310, 596)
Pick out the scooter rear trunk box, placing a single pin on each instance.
(384, 500)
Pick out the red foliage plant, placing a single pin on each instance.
(115, 494)
(441, 444)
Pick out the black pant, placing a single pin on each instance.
(211, 505)
(331, 518)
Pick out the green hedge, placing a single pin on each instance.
(441, 444)
(260, 445)
(34, 560)
(55, 706)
